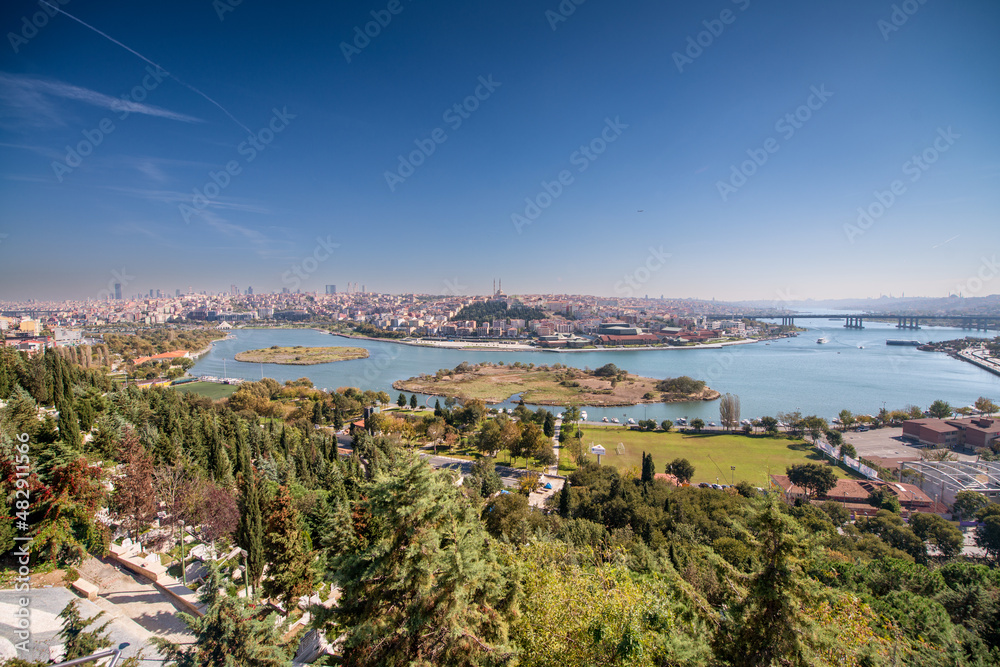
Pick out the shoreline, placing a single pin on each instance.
(520, 347)
(707, 399)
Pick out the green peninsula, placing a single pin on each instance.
(302, 356)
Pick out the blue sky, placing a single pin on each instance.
(665, 133)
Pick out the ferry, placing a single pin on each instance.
(914, 343)
(823, 340)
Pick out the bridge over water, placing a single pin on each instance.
(856, 320)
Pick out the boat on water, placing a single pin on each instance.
(861, 347)
(604, 419)
(823, 340)
(614, 420)
(631, 421)
(583, 415)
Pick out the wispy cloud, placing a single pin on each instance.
(265, 247)
(33, 100)
(175, 197)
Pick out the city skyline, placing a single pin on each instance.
(740, 150)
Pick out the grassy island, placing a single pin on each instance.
(302, 356)
(555, 385)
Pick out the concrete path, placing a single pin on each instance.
(124, 594)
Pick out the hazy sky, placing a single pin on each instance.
(626, 124)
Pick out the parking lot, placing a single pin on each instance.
(888, 443)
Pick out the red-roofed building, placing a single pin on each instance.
(952, 433)
(666, 477)
(853, 494)
(176, 354)
(639, 339)
(931, 432)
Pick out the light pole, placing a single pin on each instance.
(183, 570)
(733, 476)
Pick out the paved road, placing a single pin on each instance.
(510, 476)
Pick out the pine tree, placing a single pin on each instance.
(228, 634)
(438, 412)
(401, 401)
(76, 639)
(420, 582)
(290, 575)
(767, 626)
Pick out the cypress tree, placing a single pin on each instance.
(564, 500)
(69, 426)
(250, 532)
(413, 401)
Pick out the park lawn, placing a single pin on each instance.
(755, 457)
(213, 390)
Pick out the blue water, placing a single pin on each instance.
(786, 375)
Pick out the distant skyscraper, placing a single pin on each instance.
(151, 294)
(249, 291)
(177, 292)
(331, 289)
(234, 290)
(118, 291)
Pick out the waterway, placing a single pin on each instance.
(855, 370)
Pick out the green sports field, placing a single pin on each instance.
(212, 390)
(712, 455)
